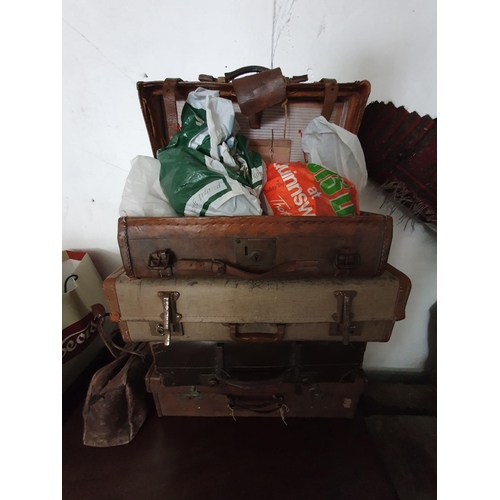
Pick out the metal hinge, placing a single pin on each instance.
(343, 316)
(171, 318)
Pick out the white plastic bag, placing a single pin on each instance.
(221, 124)
(336, 149)
(142, 195)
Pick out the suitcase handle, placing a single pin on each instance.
(253, 385)
(288, 267)
(243, 71)
(256, 336)
(183, 267)
(254, 69)
(257, 406)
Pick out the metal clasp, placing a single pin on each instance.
(343, 315)
(346, 259)
(161, 261)
(193, 395)
(171, 318)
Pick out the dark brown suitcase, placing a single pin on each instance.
(256, 247)
(233, 364)
(269, 398)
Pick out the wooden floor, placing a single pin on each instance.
(407, 447)
(375, 456)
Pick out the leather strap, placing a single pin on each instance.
(298, 79)
(183, 267)
(99, 316)
(255, 120)
(206, 78)
(170, 107)
(331, 94)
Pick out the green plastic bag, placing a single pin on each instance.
(206, 169)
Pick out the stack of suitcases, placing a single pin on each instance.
(258, 315)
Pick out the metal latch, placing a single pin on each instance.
(346, 259)
(161, 261)
(193, 395)
(171, 318)
(343, 315)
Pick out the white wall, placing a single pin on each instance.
(109, 46)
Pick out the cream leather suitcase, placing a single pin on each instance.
(234, 310)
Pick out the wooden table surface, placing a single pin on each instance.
(219, 458)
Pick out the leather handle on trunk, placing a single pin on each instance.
(258, 406)
(250, 69)
(288, 267)
(256, 337)
(243, 71)
(252, 385)
(183, 267)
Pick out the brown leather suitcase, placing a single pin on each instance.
(233, 364)
(256, 247)
(265, 398)
(240, 310)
